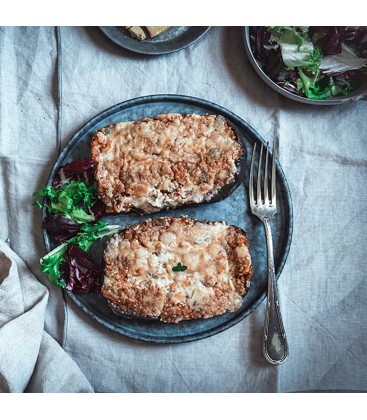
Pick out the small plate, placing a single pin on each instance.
(234, 210)
(174, 39)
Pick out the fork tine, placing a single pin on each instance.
(259, 201)
(251, 182)
(266, 181)
(273, 179)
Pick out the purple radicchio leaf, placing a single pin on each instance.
(345, 61)
(328, 38)
(261, 38)
(290, 82)
(80, 273)
(292, 77)
(77, 170)
(274, 64)
(290, 88)
(346, 75)
(361, 42)
(350, 33)
(98, 209)
(60, 227)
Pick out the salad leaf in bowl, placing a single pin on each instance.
(314, 63)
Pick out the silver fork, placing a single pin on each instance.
(275, 347)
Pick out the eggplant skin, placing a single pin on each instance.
(175, 269)
(165, 162)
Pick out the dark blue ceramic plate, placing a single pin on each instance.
(174, 39)
(234, 210)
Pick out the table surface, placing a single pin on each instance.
(323, 153)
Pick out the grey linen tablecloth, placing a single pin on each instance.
(323, 288)
(30, 358)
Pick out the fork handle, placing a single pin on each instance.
(275, 346)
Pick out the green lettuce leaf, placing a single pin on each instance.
(314, 88)
(296, 47)
(344, 61)
(297, 56)
(72, 200)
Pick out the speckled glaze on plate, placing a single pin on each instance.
(174, 39)
(234, 209)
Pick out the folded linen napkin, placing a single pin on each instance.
(30, 359)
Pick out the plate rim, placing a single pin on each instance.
(186, 100)
(153, 53)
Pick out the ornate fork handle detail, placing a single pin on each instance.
(275, 346)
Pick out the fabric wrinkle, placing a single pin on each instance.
(22, 330)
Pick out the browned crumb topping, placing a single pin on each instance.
(164, 162)
(140, 280)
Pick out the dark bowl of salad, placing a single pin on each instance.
(319, 65)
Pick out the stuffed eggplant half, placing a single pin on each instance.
(169, 161)
(176, 269)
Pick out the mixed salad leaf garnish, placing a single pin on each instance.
(72, 197)
(69, 265)
(73, 210)
(316, 62)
